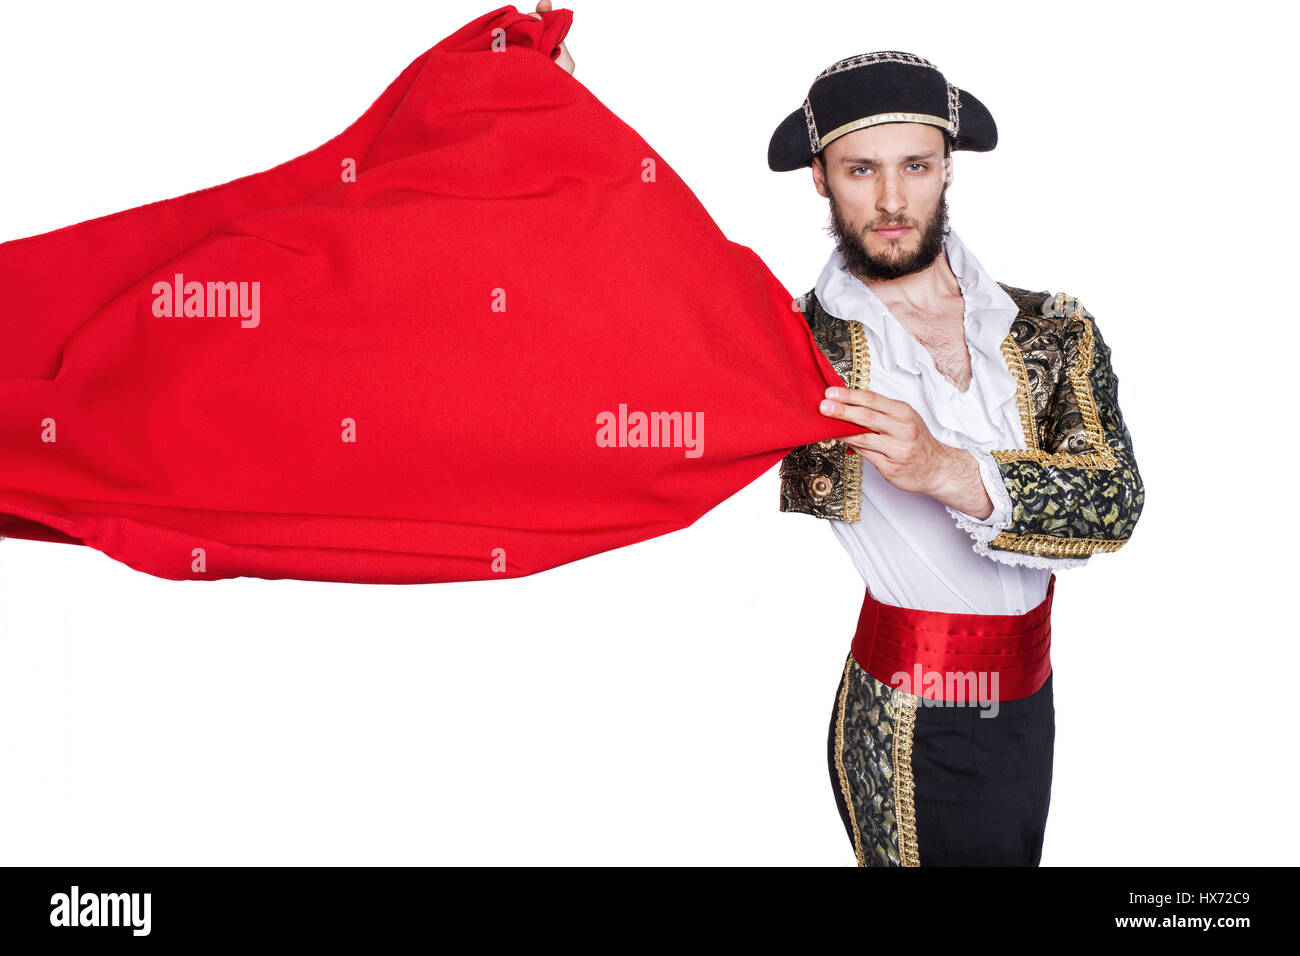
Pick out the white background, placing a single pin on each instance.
(668, 702)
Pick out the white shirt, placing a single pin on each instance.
(911, 549)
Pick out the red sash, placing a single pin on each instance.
(956, 657)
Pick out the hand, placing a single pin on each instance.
(904, 451)
(563, 60)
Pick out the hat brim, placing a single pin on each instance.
(790, 148)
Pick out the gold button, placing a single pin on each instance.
(821, 486)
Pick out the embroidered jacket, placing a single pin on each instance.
(1074, 489)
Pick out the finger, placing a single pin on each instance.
(891, 416)
(866, 415)
(879, 461)
(860, 397)
(855, 414)
(855, 396)
(850, 396)
(877, 444)
(871, 399)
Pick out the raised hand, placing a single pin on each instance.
(906, 453)
(563, 60)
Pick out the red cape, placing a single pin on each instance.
(373, 414)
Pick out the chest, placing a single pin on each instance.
(943, 335)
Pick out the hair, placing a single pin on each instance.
(820, 157)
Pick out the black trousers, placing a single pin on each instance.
(920, 785)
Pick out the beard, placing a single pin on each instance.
(894, 263)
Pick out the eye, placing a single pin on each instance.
(921, 165)
(856, 168)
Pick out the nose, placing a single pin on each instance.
(890, 200)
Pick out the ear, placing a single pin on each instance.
(947, 170)
(819, 179)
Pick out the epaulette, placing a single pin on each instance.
(1062, 306)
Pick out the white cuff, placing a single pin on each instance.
(984, 530)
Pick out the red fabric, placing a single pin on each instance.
(915, 650)
(477, 170)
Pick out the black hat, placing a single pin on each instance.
(883, 87)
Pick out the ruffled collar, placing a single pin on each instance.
(976, 413)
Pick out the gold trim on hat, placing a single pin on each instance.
(939, 121)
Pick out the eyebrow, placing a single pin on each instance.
(862, 161)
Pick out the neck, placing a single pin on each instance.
(922, 289)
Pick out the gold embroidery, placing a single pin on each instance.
(928, 118)
(1016, 363)
(909, 854)
(861, 371)
(859, 376)
(1102, 456)
(1050, 546)
(839, 762)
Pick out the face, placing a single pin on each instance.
(889, 205)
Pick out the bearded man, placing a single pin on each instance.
(996, 455)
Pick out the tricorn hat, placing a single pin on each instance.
(883, 87)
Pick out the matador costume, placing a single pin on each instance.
(920, 774)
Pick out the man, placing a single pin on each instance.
(997, 454)
(994, 414)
